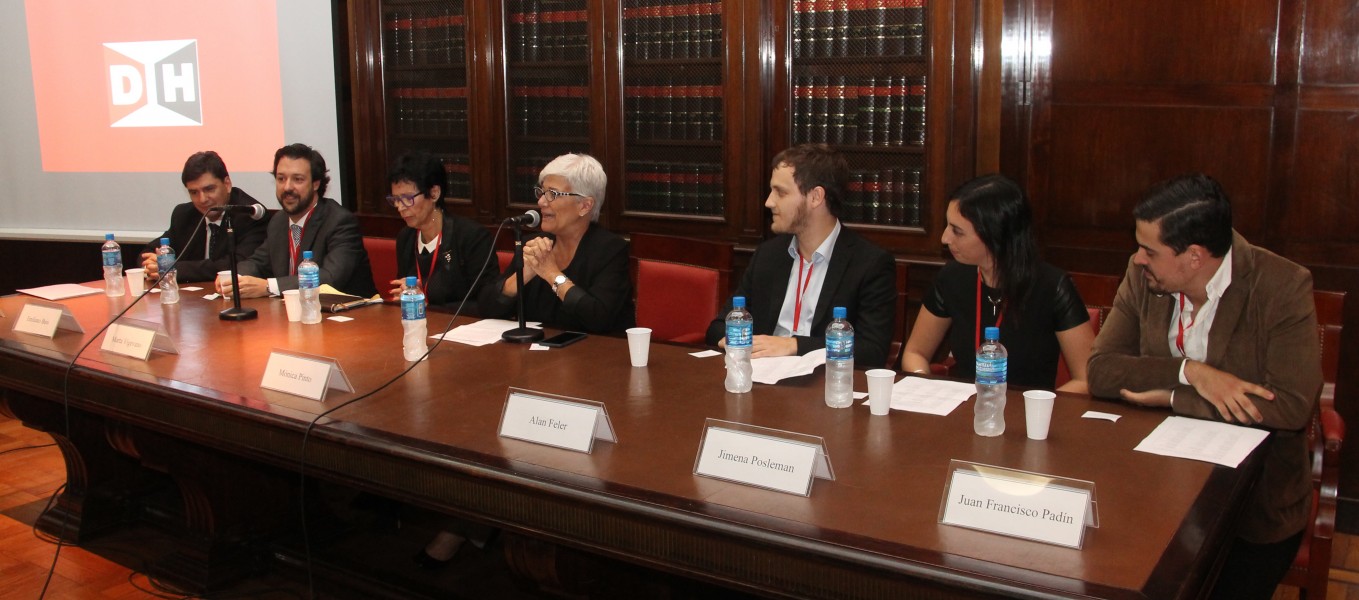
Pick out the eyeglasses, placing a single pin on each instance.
(406, 200)
(553, 195)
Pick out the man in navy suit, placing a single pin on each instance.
(814, 264)
(202, 244)
(308, 221)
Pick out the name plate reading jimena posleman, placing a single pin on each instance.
(769, 458)
(303, 375)
(552, 420)
(1043, 508)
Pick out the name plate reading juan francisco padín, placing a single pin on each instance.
(552, 420)
(45, 319)
(1043, 508)
(768, 458)
(303, 375)
(135, 338)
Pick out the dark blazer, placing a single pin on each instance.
(861, 277)
(599, 302)
(464, 254)
(332, 234)
(1265, 332)
(193, 264)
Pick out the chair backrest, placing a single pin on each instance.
(903, 318)
(680, 283)
(382, 256)
(1097, 314)
(504, 245)
(1330, 322)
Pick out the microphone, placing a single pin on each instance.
(254, 211)
(529, 218)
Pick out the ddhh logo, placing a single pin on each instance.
(153, 84)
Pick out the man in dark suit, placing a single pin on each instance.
(308, 221)
(1209, 326)
(202, 246)
(814, 264)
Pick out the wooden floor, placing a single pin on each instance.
(28, 477)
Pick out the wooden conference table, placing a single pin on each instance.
(431, 438)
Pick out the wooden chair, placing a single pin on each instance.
(680, 283)
(903, 329)
(504, 246)
(1312, 566)
(382, 256)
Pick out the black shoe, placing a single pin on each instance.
(429, 563)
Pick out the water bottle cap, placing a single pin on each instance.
(306, 255)
(738, 302)
(992, 333)
(108, 237)
(410, 281)
(839, 312)
(165, 241)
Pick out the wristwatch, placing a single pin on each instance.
(558, 281)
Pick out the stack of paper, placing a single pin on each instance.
(930, 396)
(480, 333)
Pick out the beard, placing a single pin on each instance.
(795, 222)
(301, 203)
(1154, 285)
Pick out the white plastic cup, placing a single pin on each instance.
(639, 345)
(1038, 413)
(880, 390)
(293, 302)
(224, 280)
(136, 281)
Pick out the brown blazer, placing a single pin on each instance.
(1265, 332)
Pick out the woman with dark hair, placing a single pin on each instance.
(449, 256)
(997, 280)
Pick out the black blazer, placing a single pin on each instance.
(332, 234)
(464, 253)
(194, 264)
(861, 277)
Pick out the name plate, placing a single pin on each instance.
(1052, 510)
(782, 461)
(131, 337)
(46, 319)
(551, 420)
(303, 375)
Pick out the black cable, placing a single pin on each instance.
(3, 452)
(302, 459)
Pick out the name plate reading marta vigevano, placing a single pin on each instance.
(131, 337)
(782, 461)
(303, 375)
(1053, 510)
(552, 420)
(46, 319)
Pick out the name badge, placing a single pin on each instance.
(1043, 508)
(768, 458)
(131, 337)
(46, 319)
(303, 375)
(551, 420)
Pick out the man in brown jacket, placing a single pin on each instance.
(1212, 327)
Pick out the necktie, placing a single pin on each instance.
(214, 240)
(297, 234)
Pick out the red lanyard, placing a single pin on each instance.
(293, 249)
(1179, 320)
(999, 318)
(420, 279)
(801, 289)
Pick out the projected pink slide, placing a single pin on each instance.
(139, 86)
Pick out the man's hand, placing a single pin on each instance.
(149, 263)
(1226, 392)
(772, 345)
(251, 287)
(1154, 398)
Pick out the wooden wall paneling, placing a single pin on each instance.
(486, 108)
(987, 43)
(1330, 47)
(368, 108)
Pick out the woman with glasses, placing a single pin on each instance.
(449, 256)
(576, 275)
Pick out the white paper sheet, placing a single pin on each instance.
(930, 396)
(771, 369)
(61, 291)
(481, 333)
(1208, 441)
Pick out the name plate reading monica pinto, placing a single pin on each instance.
(131, 337)
(782, 461)
(46, 319)
(1053, 510)
(552, 420)
(303, 375)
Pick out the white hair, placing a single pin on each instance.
(585, 175)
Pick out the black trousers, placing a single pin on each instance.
(1254, 570)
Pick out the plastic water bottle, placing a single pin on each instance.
(839, 361)
(309, 289)
(992, 366)
(114, 286)
(740, 331)
(413, 344)
(165, 260)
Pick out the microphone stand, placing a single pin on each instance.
(523, 333)
(235, 313)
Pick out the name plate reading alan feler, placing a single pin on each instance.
(778, 460)
(1042, 508)
(569, 423)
